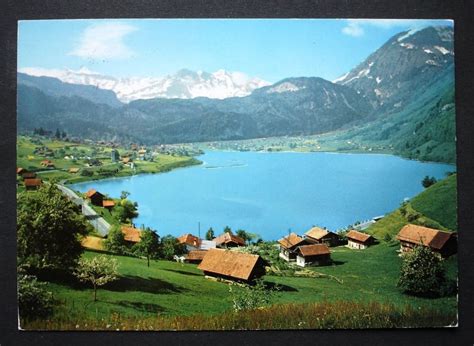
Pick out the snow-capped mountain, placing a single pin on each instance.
(184, 84)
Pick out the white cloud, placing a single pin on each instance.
(104, 41)
(355, 27)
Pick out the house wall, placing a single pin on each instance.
(355, 245)
(287, 255)
(312, 260)
(97, 200)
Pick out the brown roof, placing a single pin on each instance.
(45, 162)
(229, 263)
(228, 237)
(313, 250)
(73, 170)
(316, 233)
(195, 255)
(107, 203)
(290, 241)
(92, 192)
(359, 236)
(28, 175)
(131, 234)
(189, 239)
(126, 160)
(32, 182)
(19, 170)
(420, 235)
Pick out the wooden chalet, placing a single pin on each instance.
(314, 254)
(131, 234)
(95, 197)
(227, 240)
(319, 235)
(289, 244)
(232, 265)
(190, 241)
(32, 184)
(108, 204)
(359, 240)
(28, 175)
(195, 256)
(444, 243)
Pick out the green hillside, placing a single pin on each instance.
(435, 207)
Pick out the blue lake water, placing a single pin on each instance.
(269, 193)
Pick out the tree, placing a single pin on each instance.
(126, 211)
(124, 194)
(49, 229)
(57, 134)
(170, 246)
(252, 297)
(422, 272)
(34, 300)
(246, 236)
(115, 241)
(428, 181)
(210, 234)
(98, 271)
(148, 246)
(227, 229)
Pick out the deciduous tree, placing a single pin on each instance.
(97, 271)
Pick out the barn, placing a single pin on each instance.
(227, 240)
(232, 265)
(96, 197)
(289, 244)
(359, 240)
(32, 184)
(319, 235)
(314, 254)
(195, 243)
(195, 256)
(131, 235)
(444, 243)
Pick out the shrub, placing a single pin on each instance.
(87, 172)
(251, 297)
(422, 272)
(33, 300)
(115, 241)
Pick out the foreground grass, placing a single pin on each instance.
(323, 315)
(169, 291)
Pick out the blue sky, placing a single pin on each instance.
(269, 49)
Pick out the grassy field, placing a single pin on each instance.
(30, 161)
(170, 289)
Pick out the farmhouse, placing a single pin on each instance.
(194, 243)
(315, 254)
(108, 204)
(321, 236)
(289, 244)
(359, 240)
(28, 175)
(195, 256)
(227, 240)
(232, 265)
(95, 196)
(47, 163)
(131, 235)
(32, 184)
(444, 243)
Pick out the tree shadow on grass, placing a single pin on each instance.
(140, 284)
(142, 307)
(279, 287)
(182, 272)
(337, 263)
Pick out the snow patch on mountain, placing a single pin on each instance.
(442, 50)
(284, 87)
(184, 84)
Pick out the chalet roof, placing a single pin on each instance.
(195, 255)
(131, 234)
(20, 170)
(108, 203)
(92, 192)
(317, 233)
(28, 175)
(190, 240)
(73, 170)
(313, 250)
(229, 263)
(420, 235)
(228, 237)
(32, 182)
(359, 236)
(291, 241)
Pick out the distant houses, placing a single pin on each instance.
(28, 175)
(95, 197)
(195, 243)
(232, 265)
(289, 244)
(73, 170)
(444, 243)
(315, 254)
(47, 163)
(108, 204)
(228, 240)
(32, 184)
(359, 240)
(131, 234)
(319, 235)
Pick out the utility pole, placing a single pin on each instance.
(199, 229)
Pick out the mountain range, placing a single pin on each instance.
(402, 94)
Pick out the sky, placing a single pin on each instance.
(269, 49)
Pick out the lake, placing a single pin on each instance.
(270, 193)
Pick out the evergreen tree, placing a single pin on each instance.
(210, 234)
(148, 246)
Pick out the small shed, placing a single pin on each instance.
(359, 240)
(319, 235)
(314, 254)
(131, 234)
(108, 204)
(444, 243)
(73, 170)
(227, 240)
(32, 184)
(232, 265)
(96, 197)
(195, 256)
(289, 244)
